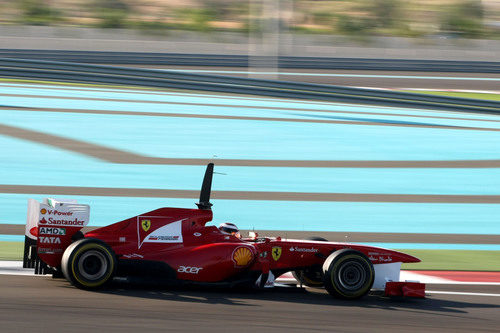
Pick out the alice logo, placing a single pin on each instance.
(146, 224)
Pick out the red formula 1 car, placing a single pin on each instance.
(176, 245)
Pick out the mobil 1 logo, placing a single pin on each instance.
(52, 231)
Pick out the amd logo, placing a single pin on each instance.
(52, 231)
(189, 269)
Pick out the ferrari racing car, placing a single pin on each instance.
(175, 244)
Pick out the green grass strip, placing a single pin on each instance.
(458, 260)
(87, 85)
(485, 96)
(11, 250)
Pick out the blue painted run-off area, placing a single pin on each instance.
(25, 162)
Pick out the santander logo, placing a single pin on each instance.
(74, 222)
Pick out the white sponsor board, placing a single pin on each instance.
(55, 213)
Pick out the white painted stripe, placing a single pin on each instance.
(479, 283)
(460, 293)
(405, 275)
(413, 276)
(15, 268)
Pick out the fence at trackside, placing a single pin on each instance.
(102, 74)
(221, 60)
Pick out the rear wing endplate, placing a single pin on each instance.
(44, 218)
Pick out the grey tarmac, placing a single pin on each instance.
(41, 304)
(250, 195)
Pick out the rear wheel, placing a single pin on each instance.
(310, 276)
(348, 274)
(89, 263)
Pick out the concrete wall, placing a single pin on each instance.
(69, 38)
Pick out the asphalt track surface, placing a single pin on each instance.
(42, 304)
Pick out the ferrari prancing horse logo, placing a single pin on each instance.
(146, 224)
(276, 252)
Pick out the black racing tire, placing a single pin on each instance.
(89, 263)
(348, 274)
(310, 276)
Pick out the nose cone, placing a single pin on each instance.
(408, 258)
(401, 257)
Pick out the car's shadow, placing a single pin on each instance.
(251, 297)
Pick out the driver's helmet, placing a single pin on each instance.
(229, 229)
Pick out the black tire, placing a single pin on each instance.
(89, 263)
(348, 274)
(310, 276)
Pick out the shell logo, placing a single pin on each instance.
(43, 211)
(242, 256)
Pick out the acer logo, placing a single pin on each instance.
(49, 240)
(189, 269)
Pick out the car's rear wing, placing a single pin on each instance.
(50, 226)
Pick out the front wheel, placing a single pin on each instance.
(89, 263)
(348, 274)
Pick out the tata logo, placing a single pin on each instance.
(276, 252)
(49, 240)
(146, 224)
(189, 269)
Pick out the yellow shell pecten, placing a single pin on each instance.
(242, 256)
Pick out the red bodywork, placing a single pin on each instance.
(175, 244)
(208, 255)
(405, 289)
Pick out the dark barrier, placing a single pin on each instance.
(73, 72)
(216, 60)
